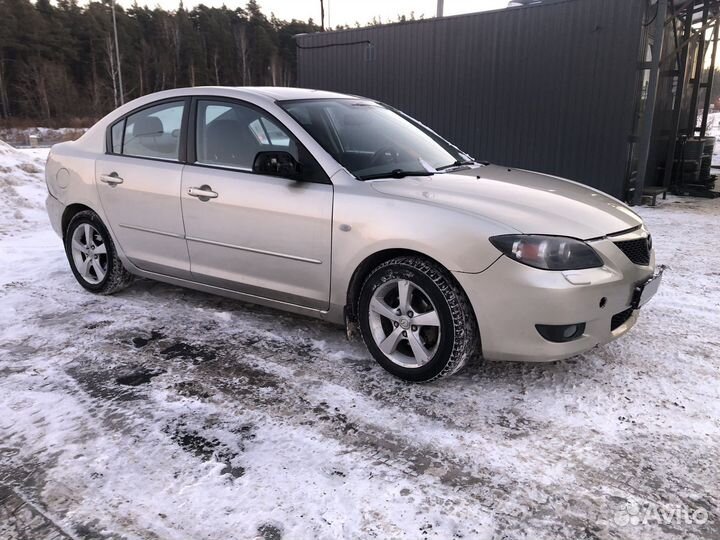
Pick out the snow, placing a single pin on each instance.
(21, 195)
(713, 130)
(166, 413)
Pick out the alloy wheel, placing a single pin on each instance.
(404, 323)
(89, 253)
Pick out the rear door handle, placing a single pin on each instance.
(111, 179)
(203, 193)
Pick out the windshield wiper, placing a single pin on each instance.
(396, 173)
(461, 164)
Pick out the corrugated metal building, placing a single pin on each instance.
(560, 87)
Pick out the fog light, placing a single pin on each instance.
(561, 333)
(570, 331)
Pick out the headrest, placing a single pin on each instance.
(229, 141)
(148, 126)
(224, 129)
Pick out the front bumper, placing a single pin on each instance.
(510, 299)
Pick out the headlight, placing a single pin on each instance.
(548, 252)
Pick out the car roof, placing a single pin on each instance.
(284, 93)
(266, 93)
(257, 94)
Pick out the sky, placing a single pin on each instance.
(342, 12)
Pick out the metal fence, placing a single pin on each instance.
(552, 87)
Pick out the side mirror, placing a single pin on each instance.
(276, 164)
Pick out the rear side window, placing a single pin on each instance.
(153, 132)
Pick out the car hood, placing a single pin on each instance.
(529, 202)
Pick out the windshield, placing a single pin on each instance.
(372, 140)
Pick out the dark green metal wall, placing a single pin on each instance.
(552, 87)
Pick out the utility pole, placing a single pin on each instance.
(440, 6)
(322, 16)
(117, 55)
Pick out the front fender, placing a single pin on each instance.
(366, 222)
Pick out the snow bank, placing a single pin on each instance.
(22, 188)
(5, 148)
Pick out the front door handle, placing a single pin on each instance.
(111, 179)
(204, 193)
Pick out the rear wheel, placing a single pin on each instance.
(92, 255)
(415, 320)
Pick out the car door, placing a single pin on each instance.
(139, 181)
(259, 234)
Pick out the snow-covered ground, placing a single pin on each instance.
(713, 130)
(167, 413)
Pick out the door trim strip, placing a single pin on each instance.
(153, 231)
(254, 250)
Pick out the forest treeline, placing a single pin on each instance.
(58, 60)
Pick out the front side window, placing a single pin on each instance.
(372, 140)
(154, 132)
(268, 134)
(231, 135)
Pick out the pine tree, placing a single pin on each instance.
(57, 59)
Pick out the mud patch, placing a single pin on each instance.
(206, 448)
(137, 377)
(267, 531)
(103, 384)
(336, 418)
(92, 531)
(97, 324)
(188, 351)
(141, 341)
(241, 379)
(516, 424)
(192, 389)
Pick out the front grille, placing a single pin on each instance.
(638, 251)
(620, 318)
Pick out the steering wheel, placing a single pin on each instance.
(386, 154)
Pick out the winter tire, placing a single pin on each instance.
(92, 255)
(415, 320)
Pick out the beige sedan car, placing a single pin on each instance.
(345, 209)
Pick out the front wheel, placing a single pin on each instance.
(92, 255)
(415, 320)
